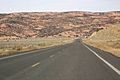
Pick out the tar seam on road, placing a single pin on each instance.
(106, 62)
(35, 64)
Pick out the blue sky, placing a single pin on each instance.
(8, 6)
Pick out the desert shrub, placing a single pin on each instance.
(18, 48)
(42, 44)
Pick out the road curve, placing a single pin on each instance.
(67, 62)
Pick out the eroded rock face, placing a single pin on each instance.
(57, 24)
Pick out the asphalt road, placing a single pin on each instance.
(67, 62)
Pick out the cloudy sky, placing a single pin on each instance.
(8, 6)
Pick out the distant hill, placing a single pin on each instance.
(54, 24)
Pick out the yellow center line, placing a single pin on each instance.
(35, 64)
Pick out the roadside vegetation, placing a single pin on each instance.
(107, 39)
(8, 47)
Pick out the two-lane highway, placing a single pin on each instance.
(67, 62)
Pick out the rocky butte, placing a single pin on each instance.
(54, 24)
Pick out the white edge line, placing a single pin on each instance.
(14, 55)
(19, 54)
(23, 53)
(106, 62)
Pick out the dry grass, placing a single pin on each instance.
(14, 46)
(6, 52)
(106, 39)
(103, 46)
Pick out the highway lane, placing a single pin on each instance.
(68, 62)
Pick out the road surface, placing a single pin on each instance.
(72, 61)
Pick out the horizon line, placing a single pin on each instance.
(59, 11)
